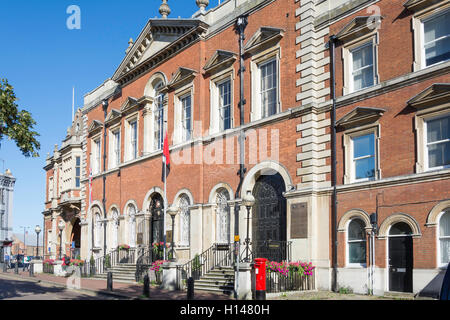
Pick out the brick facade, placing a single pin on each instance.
(296, 33)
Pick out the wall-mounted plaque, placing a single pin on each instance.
(140, 238)
(299, 220)
(169, 236)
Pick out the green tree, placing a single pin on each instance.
(17, 124)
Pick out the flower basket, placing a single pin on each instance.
(123, 247)
(157, 268)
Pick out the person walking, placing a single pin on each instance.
(8, 264)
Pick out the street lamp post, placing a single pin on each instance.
(37, 230)
(61, 226)
(173, 210)
(248, 201)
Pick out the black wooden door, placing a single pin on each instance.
(400, 263)
(269, 218)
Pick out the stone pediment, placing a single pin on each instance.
(220, 59)
(95, 126)
(417, 5)
(182, 76)
(129, 103)
(264, 36)
(113, 116)
(358, 27)
(437, 94)
(160, 39)
(360, 116)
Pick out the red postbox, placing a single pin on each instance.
(260, 273)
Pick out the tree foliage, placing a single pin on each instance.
(17, 124)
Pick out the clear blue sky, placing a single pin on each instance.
(42, 59)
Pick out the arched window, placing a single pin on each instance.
(132, 221)
(115, 228)
(400, 229)
(158, 120)
(356, 243)
(223, 216)
(97, 229)
(185, 221)
(444, 238)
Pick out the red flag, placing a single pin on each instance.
(166, 158)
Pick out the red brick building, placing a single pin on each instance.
(181, 76)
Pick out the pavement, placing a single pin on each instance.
(121, 290)
(86, 287)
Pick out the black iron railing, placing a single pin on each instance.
(145, 261)
(293, 281)
(218, 255)
(101, 265)
(272, 250)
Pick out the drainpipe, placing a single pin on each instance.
(334, 243)
(105, 110)
(241, 24)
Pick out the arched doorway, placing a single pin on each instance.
(400, 258)
(75, 239)
(157, 221)
(269, 218)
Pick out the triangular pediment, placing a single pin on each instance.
(159, 39)
(264, 36)
(182, 76)
(437, 94)
(360, 116)
(129, 103)
(359, 26)
(417, 5)
(95, 126)
(220, 59)
(113, 116)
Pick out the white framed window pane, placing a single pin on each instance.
(357, 252)
(97, 156)
(363, 62)
(225, 105)
(187, 125)
(269, 87)
(356, 230)
(159, 123)
(363, 78)
(437, 39)
(439, 154)
(438, 142)
(364, 146)
(365, 168)
(133, 126)
(117, 147)
(438, 129)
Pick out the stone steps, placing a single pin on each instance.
(217, 280)
(122, 272)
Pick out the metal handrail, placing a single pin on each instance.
(218, 255)
(112, 259)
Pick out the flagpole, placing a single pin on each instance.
(165, 205)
